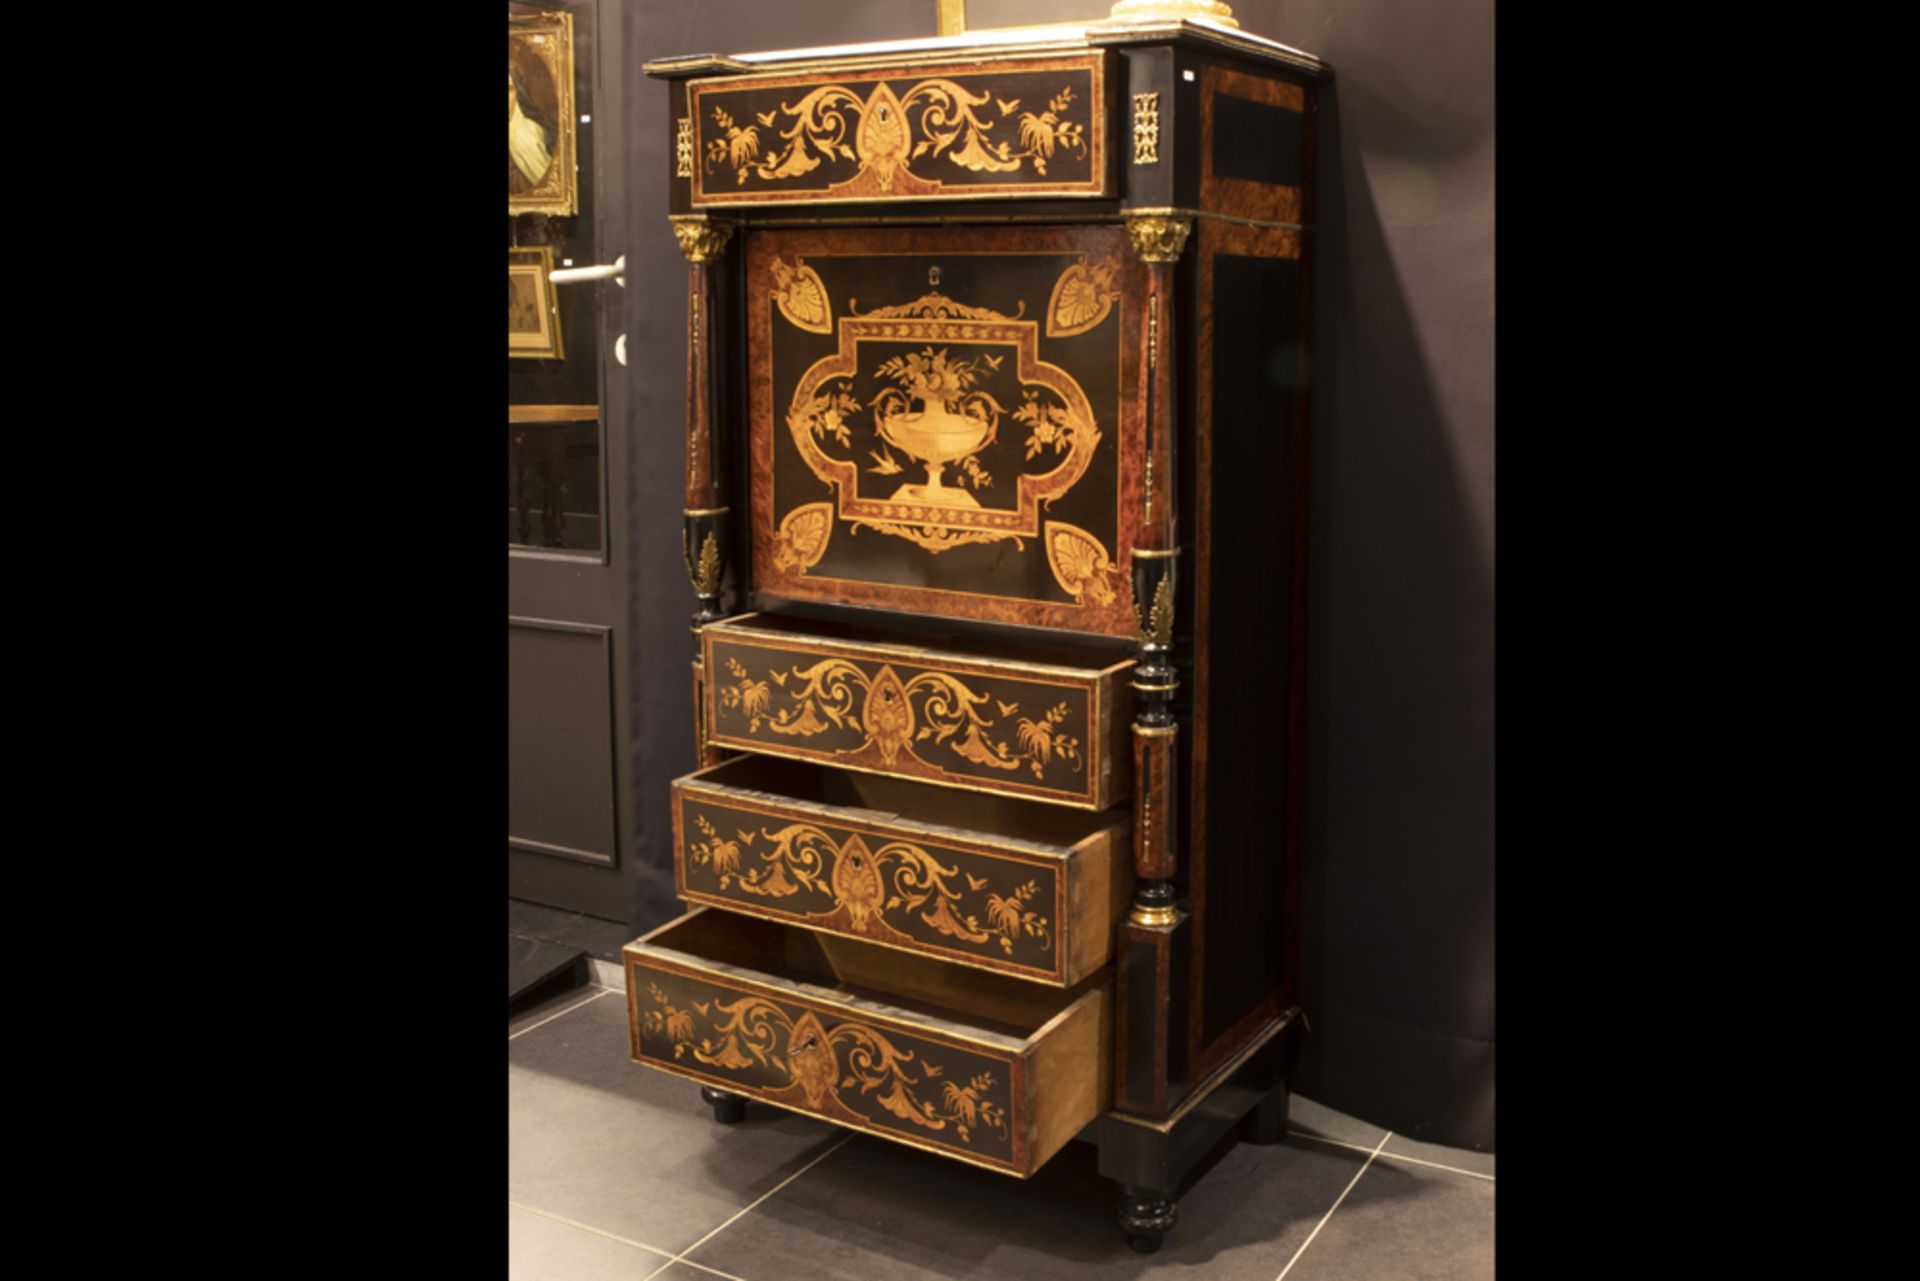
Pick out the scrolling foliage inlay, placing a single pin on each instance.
(895, 891)
(933, 712)
(843, 1069)
(954, 131)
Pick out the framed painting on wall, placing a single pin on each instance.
(541, 174)
(533, 312)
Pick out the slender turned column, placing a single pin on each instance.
(703, 534)
(1158, 241)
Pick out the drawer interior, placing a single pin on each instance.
(934, 643)
(823, 966)
(888, 799)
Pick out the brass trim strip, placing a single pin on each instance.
(855, 818)
(1155, 689)
(1173, 211)
(1153, 917)
(705, 511)
(891, 220)
(553, 413)
(1049, 673)
(1071, 36)
(1146, 553)
(1072, 800)
(1156, 731)
(1213, 1081)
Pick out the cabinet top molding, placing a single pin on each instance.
(1021, 41)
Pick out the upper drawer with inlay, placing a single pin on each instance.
(991, 718)
(1006, 127)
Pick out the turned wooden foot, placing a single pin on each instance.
(1145, 1217)
(1268, 1122)
(728, 1109)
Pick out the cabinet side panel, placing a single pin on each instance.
(1250, 375)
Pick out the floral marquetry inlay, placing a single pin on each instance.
(881, 136)
(840, 1068)
(947, 375)
(932, 713)
(892, 891)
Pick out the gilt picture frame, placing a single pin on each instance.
(533, 310)
(542, 176)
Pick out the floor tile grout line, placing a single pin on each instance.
(605, 991)
(1389, 1156)
(741, 1213)
(1330, 1209)
(704, 1268)
(588, 1227)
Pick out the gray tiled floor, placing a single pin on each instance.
(615, 1170)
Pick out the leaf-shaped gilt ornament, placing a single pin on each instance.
(888, 714)
(882, 140)
(857, 885)
(810, 1059)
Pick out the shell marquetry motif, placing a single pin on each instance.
(802, 539)
(801, 296)
(1080, 564)
(888, 714)
(1081, 299)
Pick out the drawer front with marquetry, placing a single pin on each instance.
(1011, 127)
(1047, 730)
(1022, 889)
(948, 421)
(720, 999)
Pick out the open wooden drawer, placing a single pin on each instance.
(981, 1068)
(1047, 724)
(987, 881)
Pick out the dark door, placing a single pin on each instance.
(569, 825)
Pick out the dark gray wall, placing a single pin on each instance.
(1397, 893)
(1397, 884)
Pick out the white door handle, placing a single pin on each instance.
(615, 271)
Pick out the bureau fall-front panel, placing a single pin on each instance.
(947, 420)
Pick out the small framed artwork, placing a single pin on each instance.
(533, 313)
(540, 139)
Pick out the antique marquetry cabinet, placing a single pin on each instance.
(996, 477)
